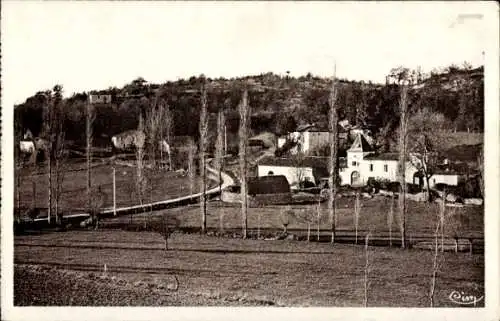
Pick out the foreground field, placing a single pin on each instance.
(162, 185)
(218, 271)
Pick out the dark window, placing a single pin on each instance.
(353, 163)
(385, 168)
(371, 167)
(270, 173)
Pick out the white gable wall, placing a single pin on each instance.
(291, 173)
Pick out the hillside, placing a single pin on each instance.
(274, 100)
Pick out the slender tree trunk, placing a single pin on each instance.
(219, 147)
(49, 213)
(244, 113)
(203, 141)
(434, 267)
(390, 219)
(114, 191)
(318, 219)
(367, 271)
(33, 191)
(402, 162)
(18, 187)
(88, 126)
(333, 142)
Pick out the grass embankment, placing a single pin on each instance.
(228, 271)
(162, 185)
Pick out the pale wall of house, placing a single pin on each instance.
(363, 168)
(443, 179)
(307, 140)
(281, 141)
(291, 173)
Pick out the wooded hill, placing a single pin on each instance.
(278, 103)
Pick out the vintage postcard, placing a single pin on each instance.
(275, 160)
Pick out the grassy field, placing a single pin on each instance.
(66, 268)
(421, 217)
(164, 185)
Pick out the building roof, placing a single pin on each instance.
(360, 144)
(272, 184)
(383, 156)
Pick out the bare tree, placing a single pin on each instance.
(141, 181)
(435, 261)
(285, 214)
(191, 165)
(308, 217)
(424, 130)
(333, 141)
(403, 104)
(357, 210)
(49, 132)
(298, 164)
(366, 270)
(480, 162)
(318, 217)
(168, 225)
(17, 174)
(390, 219)
(404, 78)
(203, 127)
(166, 130)
(153, 120)
(60, 156)
(244, 111)
(89, 123)
(219, 146)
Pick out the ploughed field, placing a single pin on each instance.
(161, 185)
(67, 268)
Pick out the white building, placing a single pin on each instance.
(310, 169)
(364, 163)
(361, 164)
(307, 138)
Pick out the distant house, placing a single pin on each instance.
(128, 140)
(308, 137)
(100, 98)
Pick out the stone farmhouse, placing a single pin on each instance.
(307, 138)
(311, 136)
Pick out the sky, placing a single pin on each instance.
(94, 45)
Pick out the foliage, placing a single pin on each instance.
(456, 93)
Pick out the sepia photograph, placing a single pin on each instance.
(249, 155)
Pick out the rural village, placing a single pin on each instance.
(250, 183)
(284, 188)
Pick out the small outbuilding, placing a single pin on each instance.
(264, 190)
